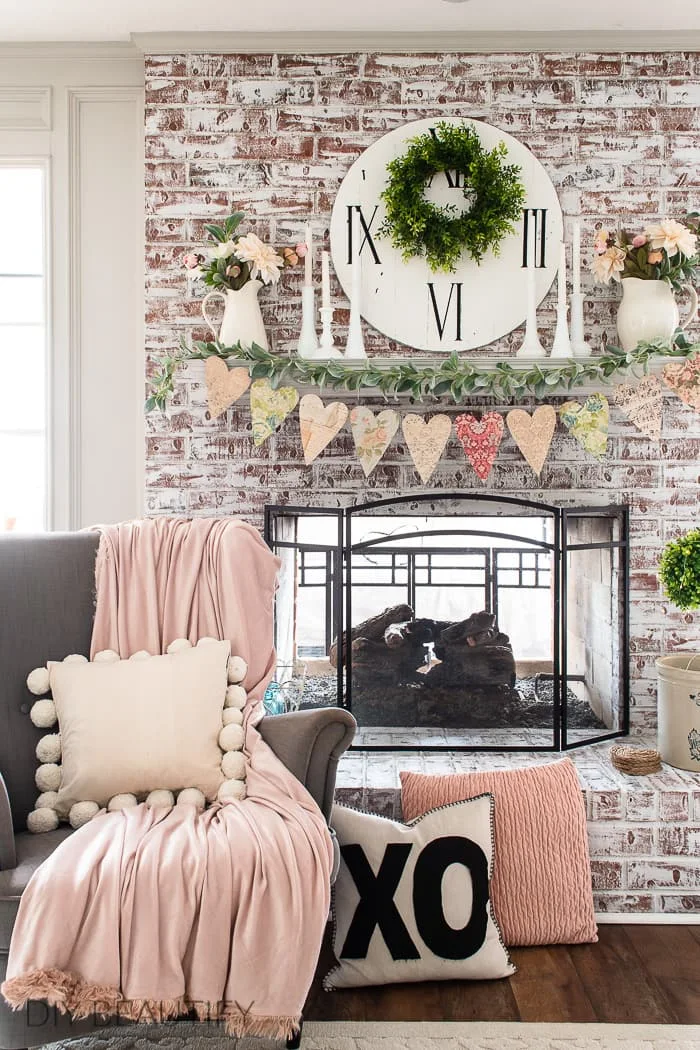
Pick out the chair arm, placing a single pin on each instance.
(309, 743)
(8, 857)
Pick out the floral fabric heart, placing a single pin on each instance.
(684, 380)
(480, 439)
(641, 403)
(588, 423)
(426, 440)
(533, 433)
(319, 424)
(372, 434)
(269, 408)
(224, 385)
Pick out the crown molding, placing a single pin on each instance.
(67, 51)
(447, 41)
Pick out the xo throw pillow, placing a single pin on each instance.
(542, 884)
(412, 902)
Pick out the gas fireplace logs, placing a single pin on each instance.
(399, 648)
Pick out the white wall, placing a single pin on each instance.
(81, 109)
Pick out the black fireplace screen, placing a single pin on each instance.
(464, 622)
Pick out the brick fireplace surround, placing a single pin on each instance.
(273, 135)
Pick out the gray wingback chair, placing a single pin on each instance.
(47, 592)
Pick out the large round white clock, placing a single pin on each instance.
(476, 304)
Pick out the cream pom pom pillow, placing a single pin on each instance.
(124, 731)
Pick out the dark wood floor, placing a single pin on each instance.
(633, 975)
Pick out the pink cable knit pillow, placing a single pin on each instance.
(542, 877)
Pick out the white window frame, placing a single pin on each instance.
(44, 164)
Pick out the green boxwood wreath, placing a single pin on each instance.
(441, 234)
(679, 570)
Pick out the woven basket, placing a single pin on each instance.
(635, 760)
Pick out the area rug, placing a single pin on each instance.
(400, 1035)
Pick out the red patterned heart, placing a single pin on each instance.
(480, 440)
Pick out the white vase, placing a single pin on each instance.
(648, 311)
(242, 321)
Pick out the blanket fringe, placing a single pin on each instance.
(73, 995)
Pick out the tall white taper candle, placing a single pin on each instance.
(308, 258)
(355, 345)
(576, 259)
(325, 281)
(561, 275)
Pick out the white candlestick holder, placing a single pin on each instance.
(308, 342)
(327, 347)
(355, 347)
(561, 347)
(579, 346)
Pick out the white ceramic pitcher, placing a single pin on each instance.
(649, 311)
(242, 321)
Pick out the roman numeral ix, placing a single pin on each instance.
(355, 211)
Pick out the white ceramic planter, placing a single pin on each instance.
(679, 710)
(242, 321)
(648, 311)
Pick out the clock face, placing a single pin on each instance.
(476, 304)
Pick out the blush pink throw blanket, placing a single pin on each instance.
(147, 913)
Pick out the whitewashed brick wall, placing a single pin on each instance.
(274, 135)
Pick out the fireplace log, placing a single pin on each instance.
(374, 628)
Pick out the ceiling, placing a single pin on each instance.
(116, 20)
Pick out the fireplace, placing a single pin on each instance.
(464, 622)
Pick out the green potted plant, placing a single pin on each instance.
(679, 674)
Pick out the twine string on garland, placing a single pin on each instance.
(453, 377)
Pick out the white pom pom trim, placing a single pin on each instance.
(47, 800)
(43, 714)
(231, 789)
(48, 777)
(192, 797)
(160, 799)
(121, 802)
(237, 669)
(38, 681)
(106, 656)
(81, 813)
(142, 654)
(236, 696)
(232, 716)
(178, 645)
(42, 820)
(231, 738)
(233, 765)
(207, 640)
(48, 749)
(75, 658)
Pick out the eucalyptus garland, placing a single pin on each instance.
(492, 190)
(453, 377)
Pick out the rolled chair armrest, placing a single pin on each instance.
(8, 857)
(309, 743)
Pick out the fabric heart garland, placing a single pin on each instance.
(372, 434)
(426, 440)
(480, 439)
(533, 433)
(224, 385)
(588, 423)
(269, 408)
(319, 424)
(684, 380)
(641, 403)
